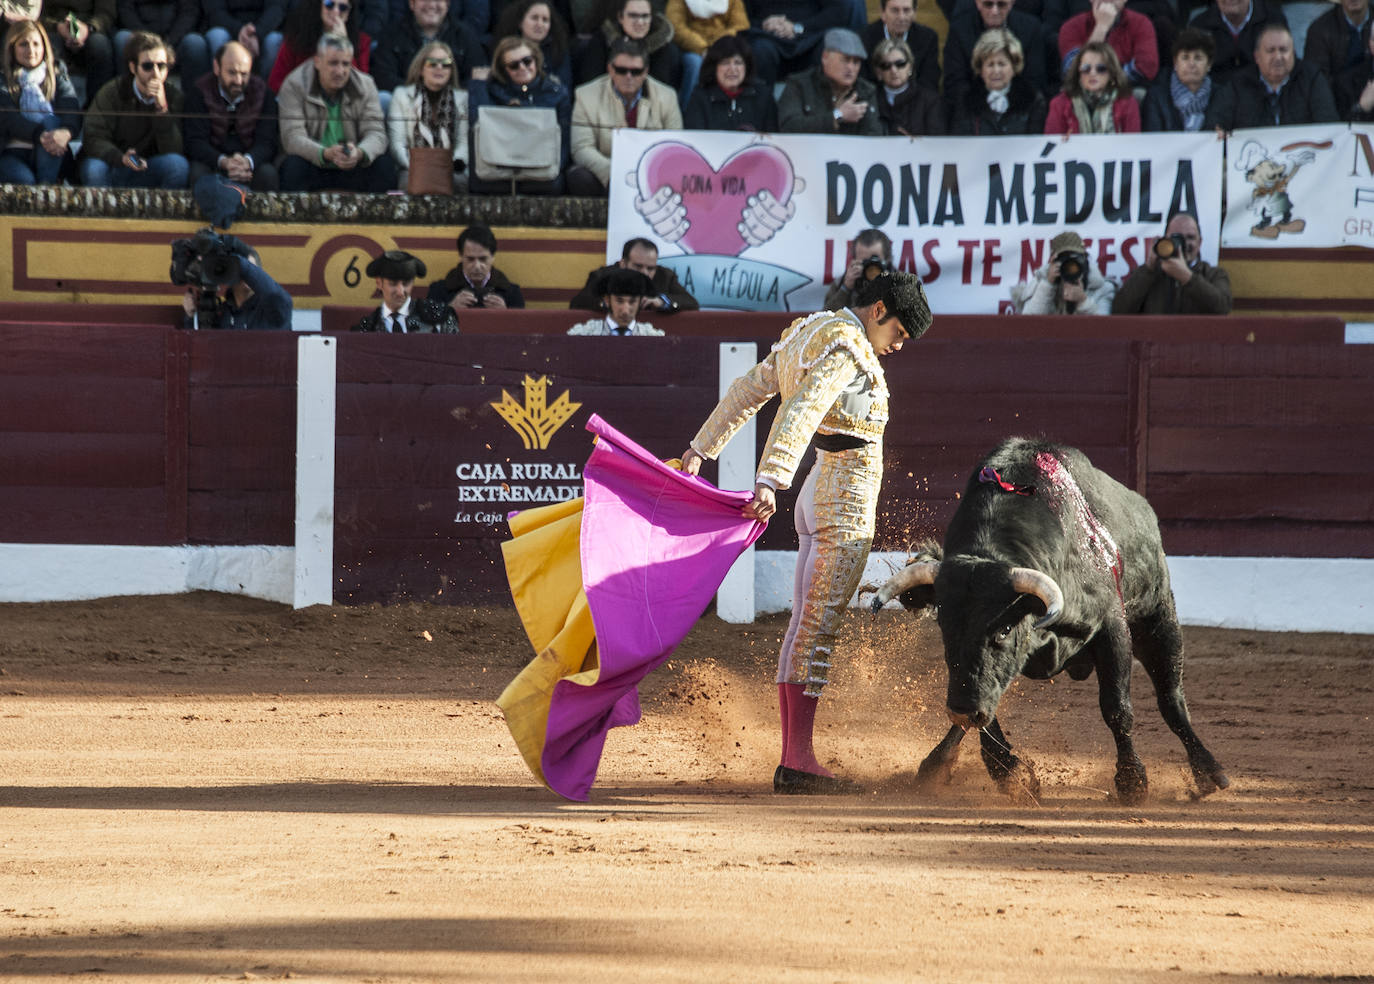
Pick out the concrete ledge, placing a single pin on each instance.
(1267, 594)
(76, 572)
(332, 208)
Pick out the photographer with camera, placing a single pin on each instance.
(226, 287)
(870, 256)
(1173, 279)
(1068, 284)
(475, 281)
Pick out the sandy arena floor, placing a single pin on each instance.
(210, 788)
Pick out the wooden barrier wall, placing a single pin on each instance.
(138, 435)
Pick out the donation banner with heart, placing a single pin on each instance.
(754, 222)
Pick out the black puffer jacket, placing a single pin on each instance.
(711, 109)
(1026, 111)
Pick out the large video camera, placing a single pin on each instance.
(208, 261)
(1073, 267)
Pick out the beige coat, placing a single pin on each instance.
(598, 113)
(303, 114)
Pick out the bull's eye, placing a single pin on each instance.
(1004, 633)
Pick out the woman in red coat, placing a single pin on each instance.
(1097, 97)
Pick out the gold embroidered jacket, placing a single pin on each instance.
(830, 382)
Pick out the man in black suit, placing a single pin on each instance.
(785, 35)
(400, 314)
(897, 21)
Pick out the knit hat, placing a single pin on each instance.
(1067, 242)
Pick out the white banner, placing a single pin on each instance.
(763, 223)
(1300, 186)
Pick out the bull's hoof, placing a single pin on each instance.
(1207, 783)
(1020, 784)
(936, 770)
(1132, 786)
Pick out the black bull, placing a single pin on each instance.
(1050, 565)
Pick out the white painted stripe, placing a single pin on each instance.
(77, 572)
(735, 600)
(314, 554)
(1267, 594)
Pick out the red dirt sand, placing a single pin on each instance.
(208, 788)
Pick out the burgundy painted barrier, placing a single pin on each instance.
(136, 435)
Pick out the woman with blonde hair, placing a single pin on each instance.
(1000, 101)
(1097, 96)
(39, 112)
(906, 107)
(430, 110)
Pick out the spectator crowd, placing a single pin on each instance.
(492, 96)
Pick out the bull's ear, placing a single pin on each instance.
(919, 598)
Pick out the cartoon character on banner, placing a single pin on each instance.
(1270, 200)
(715, 214)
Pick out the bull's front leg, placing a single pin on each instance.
(1114, 698)
(938, 766)
(1014, 776)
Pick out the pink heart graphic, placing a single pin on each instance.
(715, 198)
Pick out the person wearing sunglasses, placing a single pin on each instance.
(519, 77)
(1097, 96)
(832, 98)
(426, 21)
(133, 126)
(305, 24)
(80, 31)
(970, 21)
(624, 96)
(176, 24)
(905, 106)
(430, 110)
(999, 102)
(333, 132)
(897, 22)
(636, 20)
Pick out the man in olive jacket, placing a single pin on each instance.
(832, 98)
(332, 129)
(1179, 282)
(132, 137)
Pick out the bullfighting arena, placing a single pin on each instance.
(213, 788)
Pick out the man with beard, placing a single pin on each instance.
(231, 122)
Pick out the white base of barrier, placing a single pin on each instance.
(1267, 594)
(76, 572)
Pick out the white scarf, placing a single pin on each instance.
(704, 9)
(998, 100)
(32, 103)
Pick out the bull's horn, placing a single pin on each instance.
(1029, 581)
(910, 576)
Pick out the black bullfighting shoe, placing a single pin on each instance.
(794, 782)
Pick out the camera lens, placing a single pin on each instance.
(1164, 248)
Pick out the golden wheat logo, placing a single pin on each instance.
(537, 419)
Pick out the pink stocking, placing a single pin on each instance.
(785, 718)
(800, 717)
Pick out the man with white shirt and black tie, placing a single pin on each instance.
(622, 292)
(395, 272)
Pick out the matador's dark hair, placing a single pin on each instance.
(903, 295)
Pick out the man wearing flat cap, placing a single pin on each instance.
(1068, 284)
(622, 292)
(832, 98)
(395, 272)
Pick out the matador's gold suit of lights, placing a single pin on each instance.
(830, 382)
